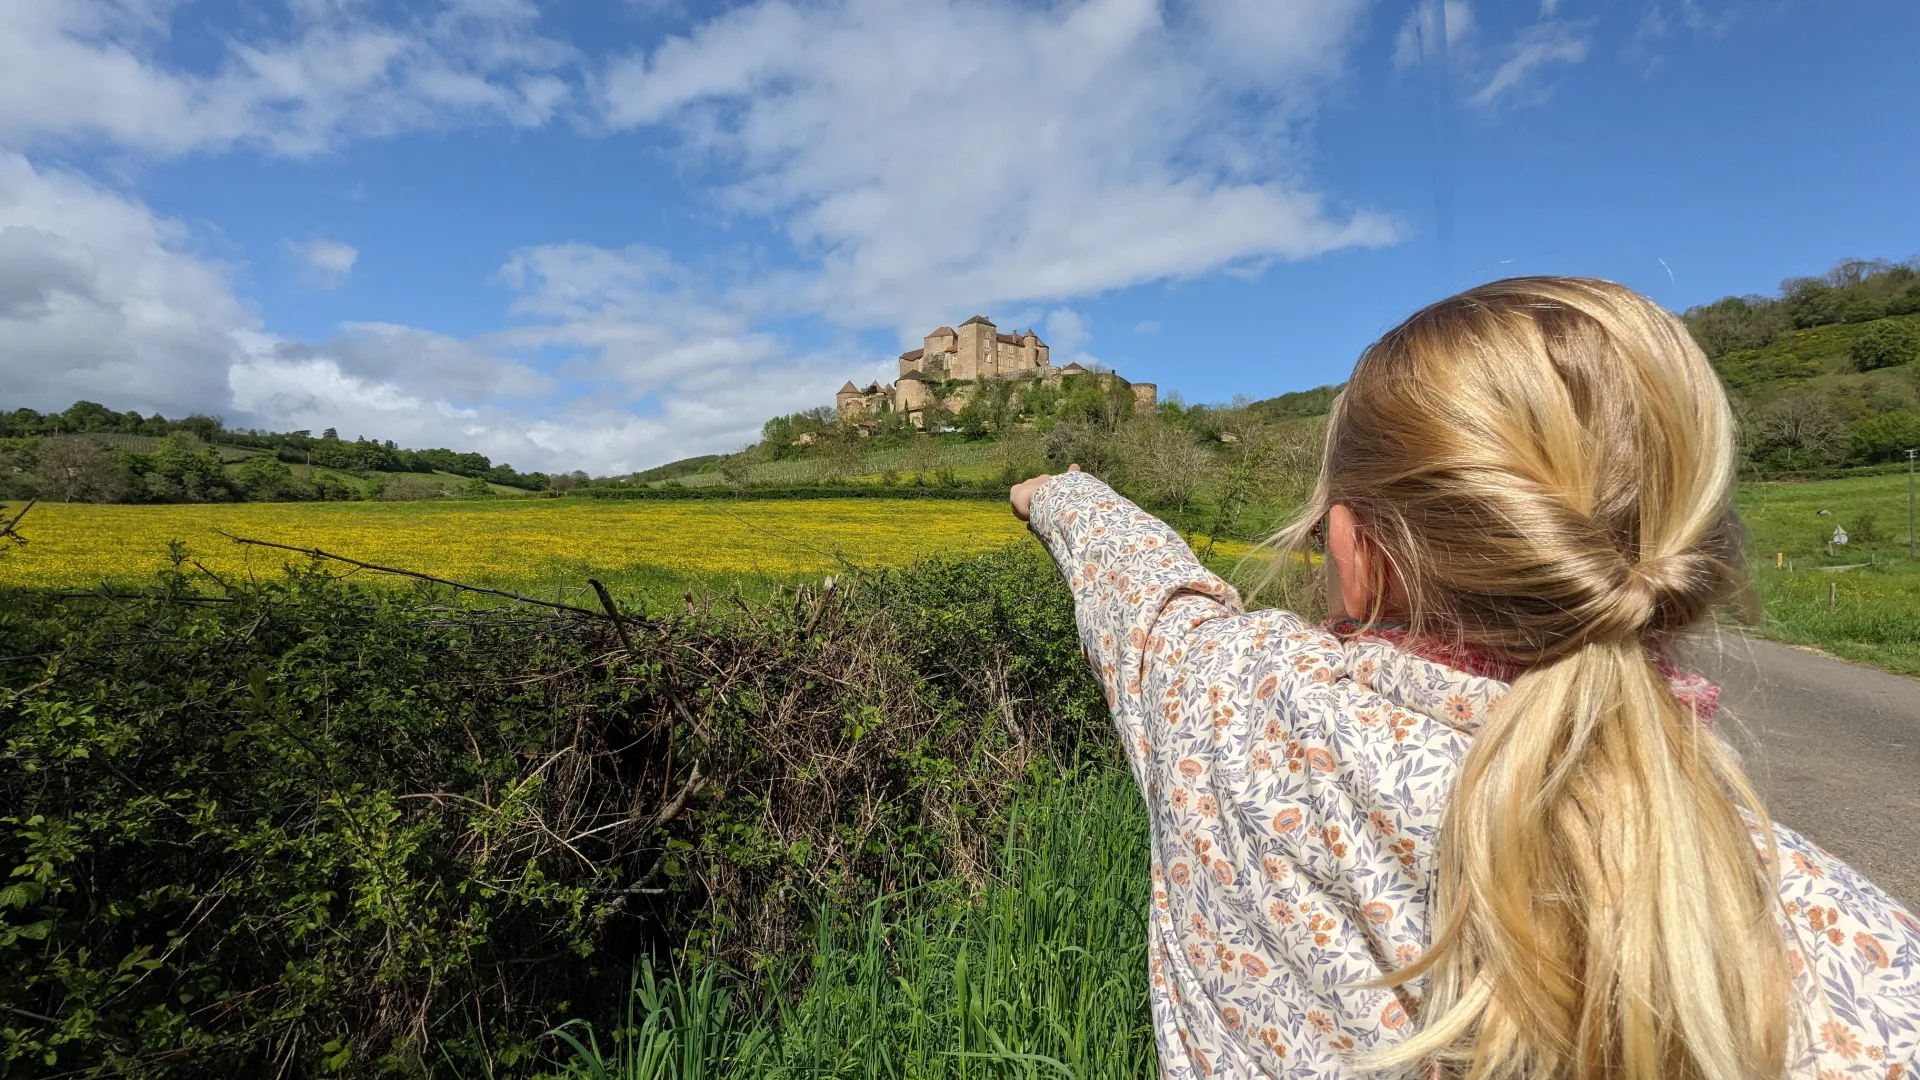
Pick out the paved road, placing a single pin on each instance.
(1834, 749)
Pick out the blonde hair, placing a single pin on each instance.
(1546, 465)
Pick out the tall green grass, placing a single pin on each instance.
(1041, 971)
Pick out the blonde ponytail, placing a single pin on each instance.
(1546, 465)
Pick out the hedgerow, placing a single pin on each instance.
(319, 825)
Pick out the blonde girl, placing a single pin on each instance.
(1479, 825)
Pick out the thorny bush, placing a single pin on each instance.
(318, 826)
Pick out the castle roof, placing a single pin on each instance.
(978, 319)
(914, 355)
(947, 330)
(1010, 339)
(913, 376)
(1073, 369)
(849, 388)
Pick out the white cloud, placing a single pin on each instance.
(328, 262)
(655, 367)
(102, 299)
(95, 69)
(1146, 326)
(1067, 330)
(1538, 46)
(928, 158)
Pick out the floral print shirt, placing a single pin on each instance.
(1295, 783)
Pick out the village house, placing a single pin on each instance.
(967, 356)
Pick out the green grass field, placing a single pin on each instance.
(1861, 601)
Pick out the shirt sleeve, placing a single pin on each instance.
(1150, 616)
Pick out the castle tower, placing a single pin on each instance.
(910, 397)
(846, 403)
(1033, 351)
(978, 350)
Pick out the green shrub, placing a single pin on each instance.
(1886, 437)
(1889, 344)
(316, 826)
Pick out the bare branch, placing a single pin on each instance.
(417, 575)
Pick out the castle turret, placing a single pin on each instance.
(910, 397)
(1033, 351)
(846, 401)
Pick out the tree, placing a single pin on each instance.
(1799, 431)
(1163, 462)
(1887, 437)
(266, 479)
(1890, 343)
(75, 468)
(181, 470)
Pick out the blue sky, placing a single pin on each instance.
(603, 235)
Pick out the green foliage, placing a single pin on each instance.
(1042, 973)
(315, 826)
(179, 481)
(1855, 290)
(1889, 343)
(1298, 404)
(1887, 437)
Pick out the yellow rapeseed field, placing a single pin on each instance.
(82, 544)
(510, 543)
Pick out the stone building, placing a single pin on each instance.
(975, 352)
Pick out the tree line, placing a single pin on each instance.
(89, 452)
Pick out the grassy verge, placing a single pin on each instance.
(1041, 973)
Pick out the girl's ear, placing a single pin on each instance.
(1350, 572)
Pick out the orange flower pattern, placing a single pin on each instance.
(1295, 784)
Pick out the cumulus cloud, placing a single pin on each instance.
(927, 158)
(652, 366)
(100, 298)
(97, 69)
(327, 262)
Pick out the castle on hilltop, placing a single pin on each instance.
(969, 356)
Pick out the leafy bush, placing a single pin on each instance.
(1891, 343)
(1886, 437)
(317, 826)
